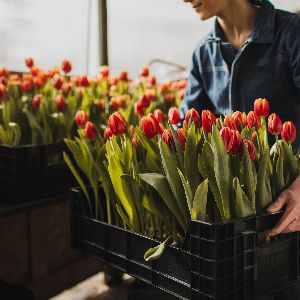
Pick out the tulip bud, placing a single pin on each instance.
(107, 133)
(229, 122)
(90, 131)
(288, 131)
(208, 120)
(117, 123)
(38, 82)
(174, 115)
(101, 104)
(36, 101)
(192, 115)
(26, 86)
(136, 141)
(114, 103)
(34, 71)
(167, 137)
(239, 119)
(261, 107)
(66, 66)
(124, 76)
(83, 81)
(144, 101)
(232, 140)
(253, 120)
(3, 91)
(4, 72)
(138, 110)
(251, 149)
(145, 72)
(104, 71)
(152, 80)
(150, 95)
(181, 133)
(150, 126)
(57, 81)
(81, 118)
(170, 98)
(274, 124)
(159, 115)
(66, 88)
(29, 62)
(3, 80)
(60, 103)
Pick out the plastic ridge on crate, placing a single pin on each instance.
(226, 261)
(30, 172)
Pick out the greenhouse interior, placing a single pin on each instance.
(150, 149)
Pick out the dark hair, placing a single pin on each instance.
(255, 2)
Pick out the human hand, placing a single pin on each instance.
(289, 198)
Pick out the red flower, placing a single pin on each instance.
(4, 72)
(107, 133)
(38, 82)
(253, 120)
(57, 81)
(144, 102)
(159, 115)
(208, 120)
(167, 137)
(232, 140)
(90, 131)
(174, 115)
(261, 107)
(138, 110)
(145, 72)
(288, 131)
(66, 66)
(229, 122)
(150, 94)
(239, 119)
(36, 101)
(101, 104)
(2, 91)
(124, 76)
(150, 126)
(151, 79)
(251, 149)
(274, 124)
(60, 103)
(83, 81)
(26, 85)
(170, 98)
(192, 115)
(66, 88)
(3, 80)
(34, 71)
(104, 71)
(181, 133)
(29, 62)
(81, 118)
(117, 123)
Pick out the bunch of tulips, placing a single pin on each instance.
(39, 107)
(159, 175)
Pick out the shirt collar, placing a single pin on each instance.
(263, 29)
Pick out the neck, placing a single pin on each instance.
(236, 21)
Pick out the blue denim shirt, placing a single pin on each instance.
(267, 66)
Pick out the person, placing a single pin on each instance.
(252, 52)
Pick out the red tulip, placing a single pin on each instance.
(36, 101)
(138, 110)
(239, 119)
(117, 123)
(229, 122)
(107, 133)
(174, 115)
(38, 82)
(151, 79)
(232, 140)
(124, 76)
(288, 131)
(29, 62)
(26, 85)
(57, 81)
(66, 88)
(145, 72)
(150, 126)
(4, 72)
(60, 103)
(208, 119)
(83, 81)
(170, 98)
(144, 101)
(3, 90)
(90, 131)
(253, 120)
(167, 137)
(261, 107)
(159, 115)
(104, 71)
(101, 104)
(34, 71)
(274, 124)
(192, 115)
(115, 103)
(150, 95)
(181, 134)
(251, 149)
(81, 118)
(66, 66)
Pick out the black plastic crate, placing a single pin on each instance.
(33, 171)
(225, 261)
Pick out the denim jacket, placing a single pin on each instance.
(267, 66)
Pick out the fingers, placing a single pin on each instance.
(292, 227)
(286, 219)
(280, 202)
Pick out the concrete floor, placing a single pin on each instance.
(94, 288)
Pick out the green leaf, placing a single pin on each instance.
(16, 133)
(4, 138)
(243, 207)
(156, 252)
(200, 201)
(153, 207)
(201, 167)
(178, 147)
(190, 159)
(208, 162)
(290, 162)
(160, 183)
(187, 190)
(246, 133)
(123, 216)
(222, 171)
(279, 173)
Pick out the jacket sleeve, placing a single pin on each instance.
(293, 49)
(195, 95)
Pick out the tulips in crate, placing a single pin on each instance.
(159, 176)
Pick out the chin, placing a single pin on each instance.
(204, 17)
